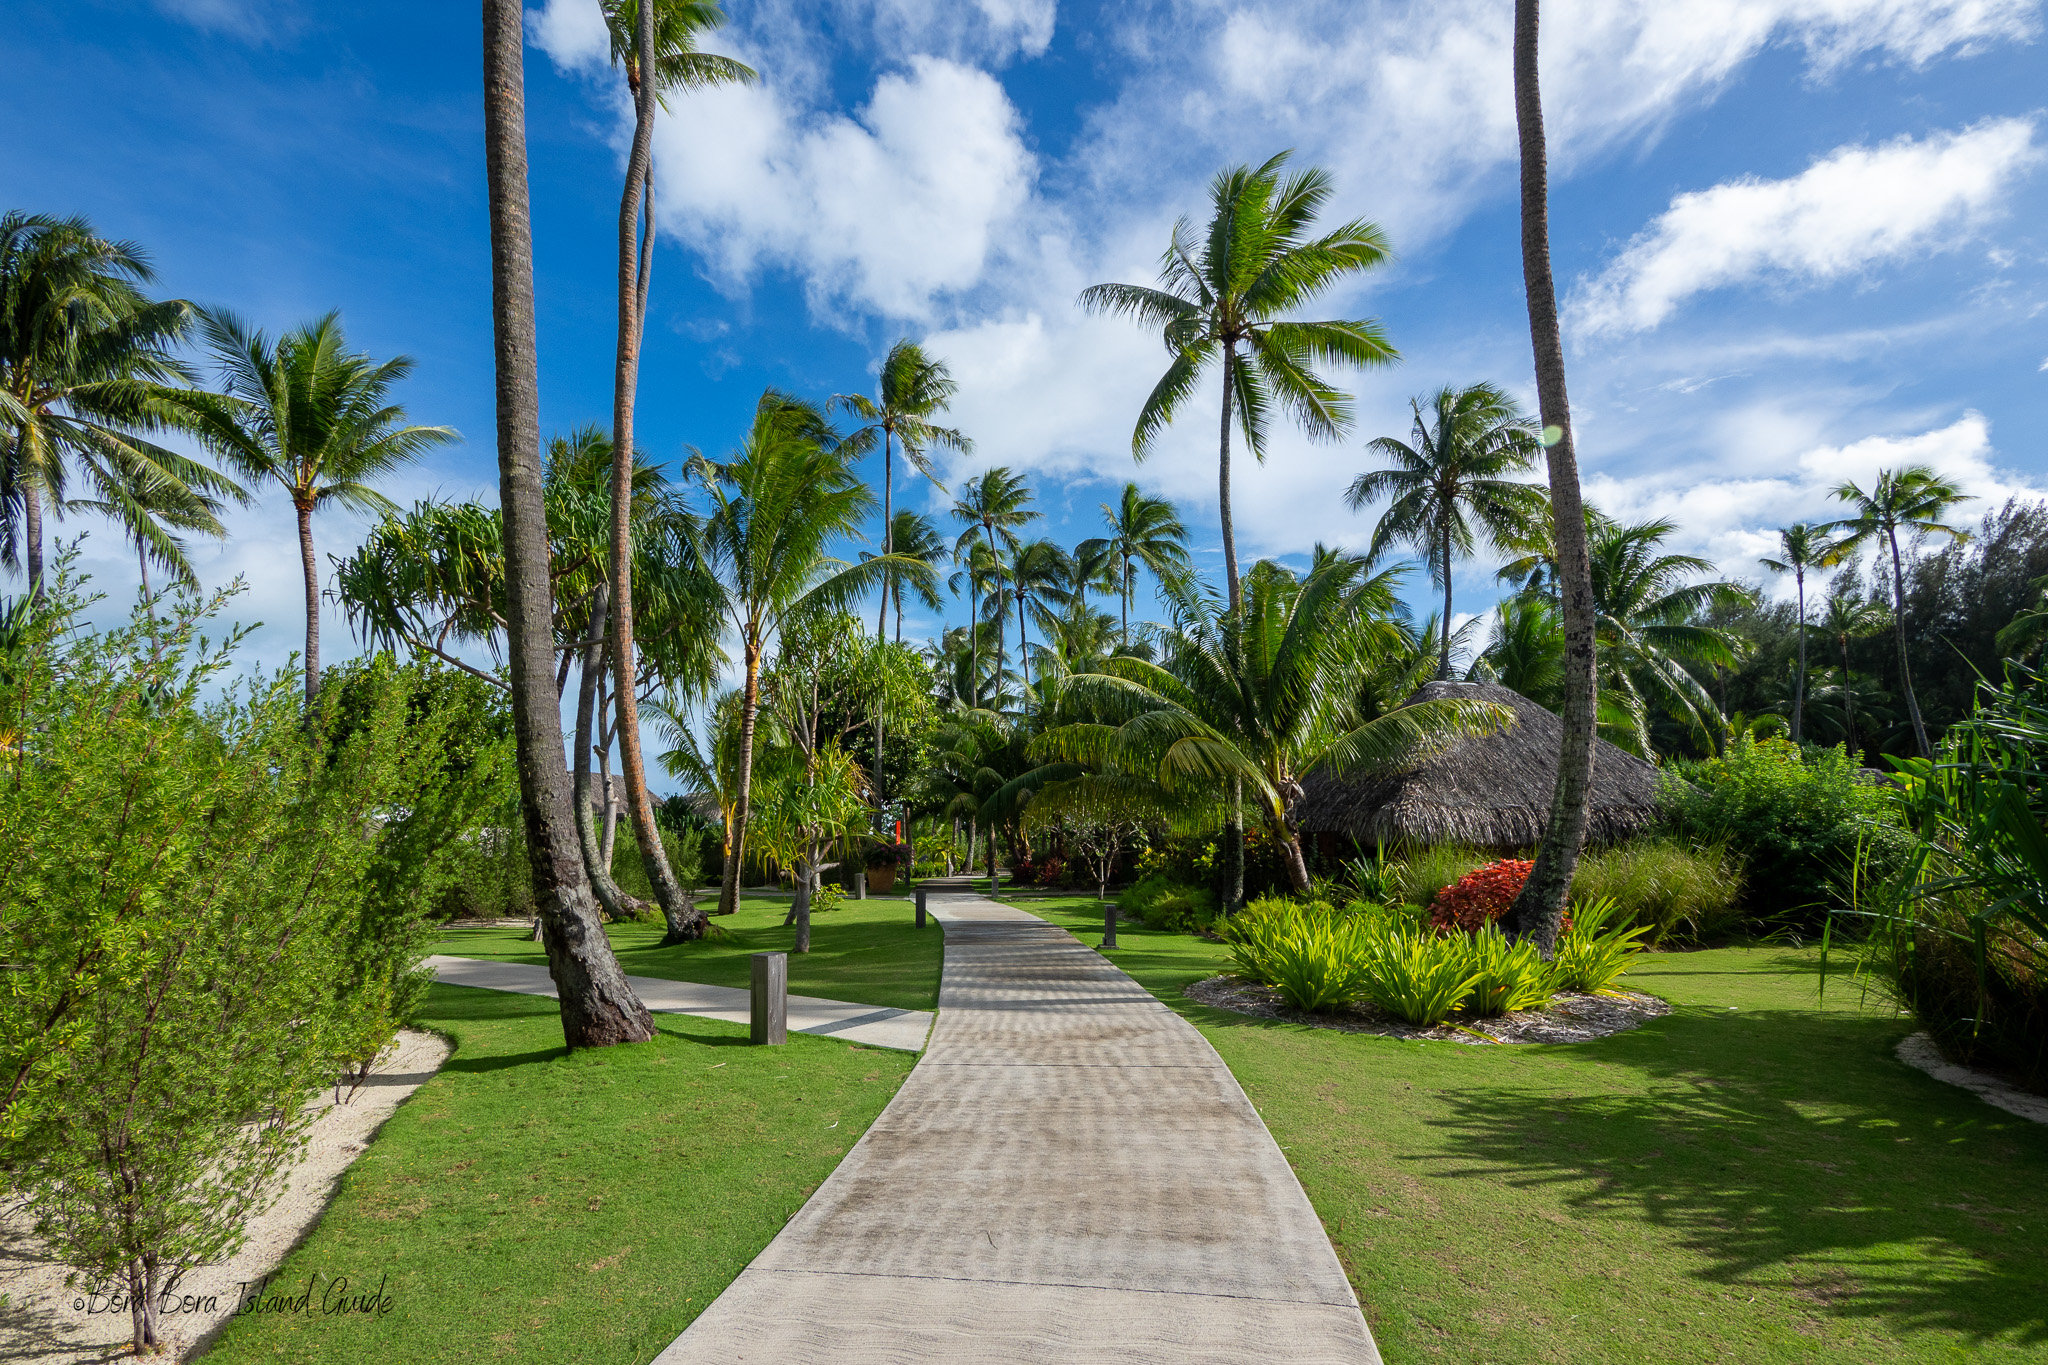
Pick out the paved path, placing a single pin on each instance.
(1070, 1176)
(904, 1030)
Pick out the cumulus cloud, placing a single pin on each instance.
(1852, 209)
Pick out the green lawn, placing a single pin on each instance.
(527, 1205)
(868, 952)
(1754, 1178)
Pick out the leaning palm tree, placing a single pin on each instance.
(152, 512)
(1538, 911)
(913, 536)
(1451, 483)
(306, 413)
(786, 494)
(1915, 498)
(1143, 531)
(87, 374)
(655, 42)
(1801, 546)
(1231, 287)
(598, 1006)
(991, 508)
(914, 388)
(1852, 617)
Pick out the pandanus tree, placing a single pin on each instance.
(597, 1003)
(655, 43)
(1258, 694)
(772, 510)
(88, 373)
(1538, 911)
(1802, 546)
(1913, 499)
(1143, 532)
(1448, 488)
(991, 508)
(305, 413)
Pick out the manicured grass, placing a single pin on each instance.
(527, 1205)
(868, 952)
(1754, 1178)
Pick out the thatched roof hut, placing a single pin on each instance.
(1492, 792)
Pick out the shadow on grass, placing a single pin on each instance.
(1788, 1146)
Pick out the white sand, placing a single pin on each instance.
(41, 1322)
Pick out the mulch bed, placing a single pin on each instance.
(1567, 1019)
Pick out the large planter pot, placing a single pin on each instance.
(882, 878)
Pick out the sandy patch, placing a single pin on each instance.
(1567, 1019)
(1920, 1051)
(45, 1323)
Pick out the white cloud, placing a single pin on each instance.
(572, 33)
(1854, 208)
(248, 20)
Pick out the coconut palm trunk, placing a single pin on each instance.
(32, 532)
(1443, 658)
(684, 920)
(1799, 683)
(598, 1007)
(742, 808)
(1899, 634)
(311, 566)
(1223, 472)
(596, 856)
(1539, 909)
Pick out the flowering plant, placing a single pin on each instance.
(1479, 897)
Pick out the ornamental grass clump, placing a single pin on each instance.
(1596, 949)
(1506, 977)
(1416, 976)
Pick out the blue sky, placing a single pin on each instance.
(1798, 240)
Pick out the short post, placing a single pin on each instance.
(860, 883)
(920, 907)
(1109, 924)
(995, 882)
(770, 1001)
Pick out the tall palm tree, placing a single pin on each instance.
(597, 1004)
(1232, 287)
(991, 508)
(1142, 531)
(655, 43)
(913, 536)
(152, 512)
(1450, 483)
(913, 389)
(1538, 911)
(306, 413)
(1040, 572)
(1801, 546)
(784, 496)
(980, 576)
(1852, 617)
(1915, 498)
(87, 374)
(1526, 653)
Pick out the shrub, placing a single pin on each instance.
(1596, 949)
(1323, 962)
(1418, 977)
(1505, 977)
(1051, 871)
(1796, 818)
(1479, 897)
(826, 898)
(1670, 887)
(1164, 904)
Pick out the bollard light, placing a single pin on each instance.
(1109, 924)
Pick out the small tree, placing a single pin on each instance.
(1100, 841)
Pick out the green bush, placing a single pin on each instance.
(1505, 977)
(1596, 949)
(1169, 905)
(1416, 976)
(1668, 886)
(1795, 817)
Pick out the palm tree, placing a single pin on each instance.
(597, 1004)
(980, 576)
(1040, 572)
(991, 508)
(1914, 498)
(152, 512)
(1450, 482)
(774, 507)
(1255, 694)
(1526, 653)
(1539, 909)
(1142, 530)
(1232, 287)
(913, 536)
(1803, 545)
(87, 372)
(306, 413)
(1851, 617)
(914, 388)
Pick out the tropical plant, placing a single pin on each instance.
(1525, 651)
(1506, 977)
(913, 536)
(1913, 499)
(1539, 910)
(1143, 531)
(87, 374)
(1802, 546)
(597, 1003)
(316, 419)
(1480, 897)
(1414, 975)
(1233, 286)
(1851, 617)
(1596, 948)
(990, 508)
(1449, 490)
(1039, 574)
(153, 510)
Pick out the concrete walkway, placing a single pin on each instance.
(904, 1030)
(1070, 1176)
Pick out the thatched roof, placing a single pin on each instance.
(1493, 792)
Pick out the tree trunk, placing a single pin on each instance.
(1233, 849)
(806, 878)
(1297, 864)
(312, 571)
(1223, 477)
(598, 1007)
(750, 707)
(1799, 682)
(1849, 703)
(596, 857)
(32, 533)
(888, 523)
(1127, 606)
(1538, 911)
(1443, 662)
(973, 830)
(142, 1310)
(1899, 633)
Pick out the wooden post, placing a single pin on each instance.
(1109, 924)
(770, 998)
(920, 907)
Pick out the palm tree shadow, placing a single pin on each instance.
(1792, 1160)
